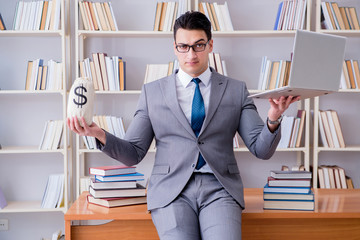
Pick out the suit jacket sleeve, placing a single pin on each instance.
(133, 148)
(255, 134)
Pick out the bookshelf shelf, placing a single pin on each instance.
(126, 92)
(30, 149)
(34, 33)
(346, 149)
(26, 92)
(28, 206)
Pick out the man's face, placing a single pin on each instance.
(191, 62)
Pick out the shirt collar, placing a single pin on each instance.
(185, 78)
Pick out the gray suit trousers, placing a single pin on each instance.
(204, 210)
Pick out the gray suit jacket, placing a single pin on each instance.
(177, 148)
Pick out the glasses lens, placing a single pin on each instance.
(199, 47)
(182, 48)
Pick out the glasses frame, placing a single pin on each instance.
(192, 46)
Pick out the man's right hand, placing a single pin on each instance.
(92, 130)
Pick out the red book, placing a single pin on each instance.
(112, 170)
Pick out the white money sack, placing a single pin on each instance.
(81, 100)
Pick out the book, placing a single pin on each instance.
(303, 190)
(3, 202)
(290, 174)
(273, 182)
(2, 24)
(288, 196)
(110, 185)
(116, 202)
(115, 192)
(303, 205)
(123, 177)
(112, 170)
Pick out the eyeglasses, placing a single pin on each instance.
(184, 48)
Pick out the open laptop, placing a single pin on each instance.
(315, 69)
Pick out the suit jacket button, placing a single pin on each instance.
(193, 165)
(199, 142)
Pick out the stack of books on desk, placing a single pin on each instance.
(289, 190)
(114, 186)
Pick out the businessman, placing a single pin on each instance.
(195, 189)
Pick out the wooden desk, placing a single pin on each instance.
(336, 216)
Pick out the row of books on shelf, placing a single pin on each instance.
(291, 15)
(52, 135)
(54, 192)
(157, 71)
(107, 73)
(350, 77)
(98, 16)
(2, 24)
(167, 12)
(114, 186)
(37, 15)
(273, 74)
(330, 129)
(289, 190)
(44, 77)
(333, 177)
(111, 124)
(218, 14)
(292, 130)
(338, 18)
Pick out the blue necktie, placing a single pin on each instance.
(197, 116)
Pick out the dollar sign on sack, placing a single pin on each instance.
(81, 99)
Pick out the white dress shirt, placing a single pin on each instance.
(185, 89)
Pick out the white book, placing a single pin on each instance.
(286, 129)
(332, 129)
(86, 142)
(262, 72)
(46, 194)
(322, 132)
(48, 15)
(326, 176)
(167, 16)
(343, 80)
(25, 13)
(18, 15)
(122, 127)
(43, 136)
(303, 15)
(56, 25)
(97, 19)
(266, 74)
(116, 126)
(36, 16)
(34, 74)
(220, 17)
(60, 200)
(110, 73)
(87, 70)
(295, 132)
(113, 16)
(31, 19)
(115, 62)
(109, 124)
(226, 15)
(58, 135)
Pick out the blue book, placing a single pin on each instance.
(278, 16)
(289, 196)
(295, 190)
(123, 177)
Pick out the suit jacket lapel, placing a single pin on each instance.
(168, 88)
(218, 85)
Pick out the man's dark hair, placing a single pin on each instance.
(193, 21)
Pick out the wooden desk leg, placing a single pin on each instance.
(68, 230)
